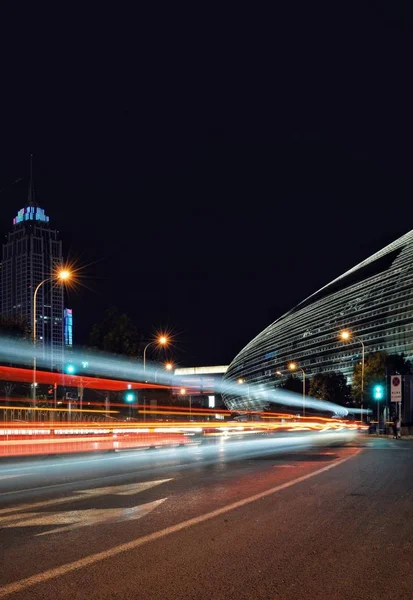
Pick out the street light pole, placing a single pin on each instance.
(144, 354)
(161, 341)
(362, 379)
(346, 335)
(303, 372)
(241, 382)
(167, 367)
(293, 366)
(62, 275)
(34, 337)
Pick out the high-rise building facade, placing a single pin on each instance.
(68, 328)
(374, 300)
(32, 254)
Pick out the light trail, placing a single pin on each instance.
(64, 438)
(119, 373)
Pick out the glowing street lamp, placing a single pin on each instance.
(294, 367)
(167, 366)
(347, 336)
(64, 274)
(60, 276)
(183, 392)
(162, 340)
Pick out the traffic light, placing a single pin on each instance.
(130, 397)
(378, 392)
(72, 368)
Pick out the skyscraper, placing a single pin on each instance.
(31, 254)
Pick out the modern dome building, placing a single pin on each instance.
(373, 299)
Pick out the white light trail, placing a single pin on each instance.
(91, 363)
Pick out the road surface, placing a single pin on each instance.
(226, 521)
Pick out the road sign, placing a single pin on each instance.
(19, 516)
(73, 519)
(396, 388)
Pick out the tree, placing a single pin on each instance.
(330, 386)
(293, 384)
(116, 333)
(13, 327)
(377, 366)
(374, 372)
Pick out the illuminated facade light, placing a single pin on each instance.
(68, 327)
(372, 301)
(31, 213)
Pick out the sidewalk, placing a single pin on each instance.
(390, 436)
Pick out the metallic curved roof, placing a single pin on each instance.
(374, 300)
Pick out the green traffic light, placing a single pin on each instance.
(378, 392)
(71, 369)
(130, 397)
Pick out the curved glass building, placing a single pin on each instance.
(373, 299)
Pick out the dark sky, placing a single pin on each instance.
(209, 169)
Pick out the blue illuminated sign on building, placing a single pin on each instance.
(31, 213)
(68, 327)
(271, 354)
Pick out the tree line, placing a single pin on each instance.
(333, 386)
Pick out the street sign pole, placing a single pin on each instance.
(396, 396)
(378, 418)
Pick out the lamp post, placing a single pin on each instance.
(182, 391)
(167, 366)
(241, 382)
(347, 336)
(61, 276)
(160, 341)
(293, 367)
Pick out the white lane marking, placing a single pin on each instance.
(121, 490)
(74, 519)
(9, 476)
(57, 485)
(92, 559)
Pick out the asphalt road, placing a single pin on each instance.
(261, 518)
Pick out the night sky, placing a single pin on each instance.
(209, 170)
